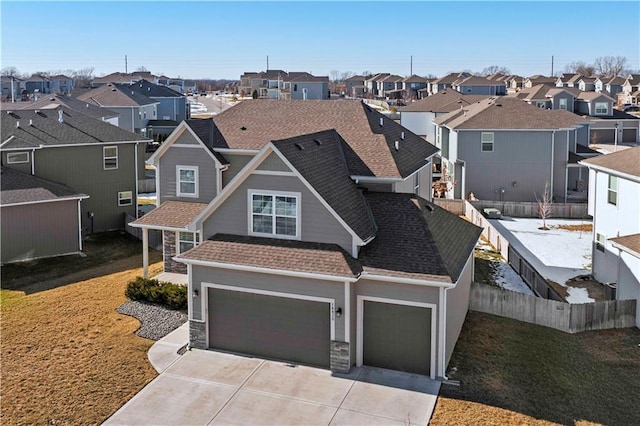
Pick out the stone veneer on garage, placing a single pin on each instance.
(197, 335)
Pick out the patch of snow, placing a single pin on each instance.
(578, 295)
(147, 196)
(509, 279)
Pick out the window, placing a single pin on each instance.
(602, 108)
(541, 105)
(487, 141)
(274, 215)
(563, 103)
(612, 190)
(125, 198)
(187, 241)
(600, 242)
(187, 181)
(17, 157)
(295, 87)
(110, 157)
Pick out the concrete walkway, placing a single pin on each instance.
(208, 387)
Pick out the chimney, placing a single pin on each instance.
(60, 116)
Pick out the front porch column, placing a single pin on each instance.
(145, 253)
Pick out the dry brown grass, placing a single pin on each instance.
(584, 227)
(517, 373)
(67, 356)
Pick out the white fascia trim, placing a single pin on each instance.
(515, 130)
(159, 228)
(625, 249)
(26, 203)
(199, 144)
(331, 302)
(347, 311)
(401, 280)
(272, 173)
(93, 144)
(261, 270)
(9, 139)
(318, 197)
(605, 170)
(375, 179)
(167, 143)
(360, 326)
(237, 151)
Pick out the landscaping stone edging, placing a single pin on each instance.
(157, 321)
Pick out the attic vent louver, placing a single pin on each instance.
(60, 116)
(429, 207)
(402, 135)
(299, 146)
(397, 145)
(318, 142)
(381, 121)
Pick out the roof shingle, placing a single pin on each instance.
(171, 214)
(19, 188)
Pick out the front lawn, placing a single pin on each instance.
(511, 372)
(67, 356)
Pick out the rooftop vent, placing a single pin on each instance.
(429, 207)
(498, 105)
(18, 124)
(299, 146)
(402, 135)
(60, 116)
(381, 121)
(318, 142)
(30, 122)
(243, 128)
(113, 90)
(396, 145)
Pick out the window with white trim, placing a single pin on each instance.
(562, 104)
(187, 181)
(17, 157)
(125, 198)
(274, 215)
(487, 141)
(600, 242)
(187, 241)
(602, 108)
(110, 157)
(541, 105)
(612, 190)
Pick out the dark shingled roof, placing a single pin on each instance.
(18, 187)
(151, 90)
(255, 122)
(42, 128)
(417, 239)
(272, 253)
(625, 161)
(446, 100)
(205, 130)
(54, 101)
(115, 95)
(171, 214)
(320, 159)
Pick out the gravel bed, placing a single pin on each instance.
(157, 321)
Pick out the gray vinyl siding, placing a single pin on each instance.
(314, 90)
(560, 161)
(318, 225)
(236, 163)
(39, 230)
(583, 136)
(81, 168)
(135, 118)
(482, 90)
(406, 186)
(186, 138)
(178, 156)
(23, 167)
(457, 307)
(273, 163)
(419, 123)
(523, 157)
(172, 108)
(556, 101)
(275, 283)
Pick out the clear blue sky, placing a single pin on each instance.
(224, 39)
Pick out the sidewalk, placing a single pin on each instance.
(164, 352)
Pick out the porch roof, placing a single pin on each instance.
(170, 215)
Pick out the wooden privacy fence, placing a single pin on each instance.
(527, 209)
(570, 318)
(146, 185)
(488, 231)
(155, 236)
(452, 206)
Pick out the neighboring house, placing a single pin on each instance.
(135, 109)
(568, 80)
(447, 81)
(40, 218)
(305, 86)
(61, 84)
(507, 150)
(37, 84)
(279, 84)
(88, 155)
(53, 102)
(124, 78)
(287, 226)
(514, 83)
(371, 84)
(412, 85)
(11, 88)
(561, 98)
(614, 203)
(534, 80)
(172, 107)
(631, 90)
(587, 84)
(611, 85)
(355, 86)
(390, 87)
(475, 85)
(418, 116)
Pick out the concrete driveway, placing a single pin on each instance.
(210, 388)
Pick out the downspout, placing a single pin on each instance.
(79, 225)
(157, 184)
(441, 336)
(553, 145)
(33, 162)
(566, 169)
(135, 156)
(133, 122)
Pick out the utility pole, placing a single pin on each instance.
(126, 69)
(13, 97)
(411, 67)
(551, 66)
(267, 62)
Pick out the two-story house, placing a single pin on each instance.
(302, 237)
(534, 80)
(568, 80)
(88, 155)
(504, 149)
(476, 85)
(11, 88)
(390, 87)
(447, 81)
(37, 84)
(614, 203)
(412, 85)
(514, 83)
(355, 86)
(134, 108)
(608, 125)
(279, 84)
(587, 84)
(61, 84)
(630, 93)
(611, 85)
(172, 107)
(302, 85)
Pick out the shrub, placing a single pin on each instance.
(172, 296)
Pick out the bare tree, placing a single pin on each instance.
(344, 76)
(610, 66)
(544, 205)
(141, 68)
(334, 75)
(495, 69)
(10, 72)
(83, 77)
(579, 67)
